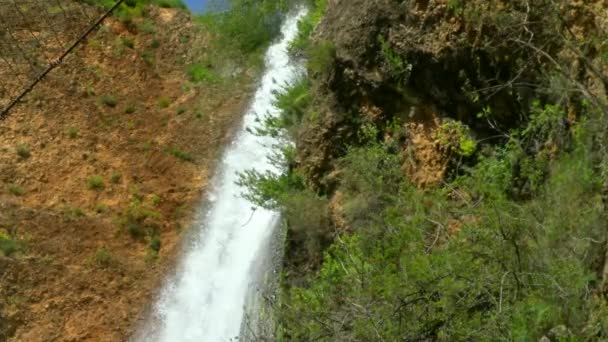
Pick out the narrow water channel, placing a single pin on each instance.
(205, 300)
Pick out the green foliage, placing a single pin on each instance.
(180, 154)
(164, 102)
(511, 271)
(148, 57)
(456, 137)
(293, 102)
(102, 258)
(15, 190)
(109, 100)
(9, 245)
(307, 25)
(139, 220)
(23, 151)
(130, 109)
(128, 42)
(248, 26)
(73, 132)
(116, 177)
(321, 57)
(400, 68)
(155, 243)
(198, 72)
(455, 5)
(95, 183)
(72, 212)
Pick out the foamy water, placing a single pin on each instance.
(204, 301)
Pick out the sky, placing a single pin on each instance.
(197, 5)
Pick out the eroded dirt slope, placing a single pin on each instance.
(100, 170)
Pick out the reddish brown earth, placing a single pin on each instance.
(78, 274)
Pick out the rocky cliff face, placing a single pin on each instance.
(419, 63)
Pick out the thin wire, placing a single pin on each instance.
(53, 64)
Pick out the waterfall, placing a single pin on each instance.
(204, 301)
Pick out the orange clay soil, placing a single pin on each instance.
(101, 165)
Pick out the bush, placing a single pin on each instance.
(109, 100)
(102, 258)
(321, 57)
(155, 243)
(16, 190)
(199, 73)
(8, 245)
(130, 109)
(128, 42)
(178, 153)
(95, 183)
(139, 220)
(306, 27)
(164, 102)
(463, 262)
(116, 177)
(73, 132)
(23, 151)
(148, 57)
(248, 27)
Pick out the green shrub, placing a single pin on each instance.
(155, 44)
(101, 208)
(16, 190)
(200, 73)
(248, 27)
(456, 137)
(306, 27)
(95, 183)
(180, 154)
(399, 67)
(128, 42)
(73, 132)
(8, 245)
(148, 57)
(116, 177)
(139, 220)
(155, 243)
(147, 26)
(72, 212)
(130, 109)
(23, 151)
(102, 258)
(321, 57)
(109, 100)
(164, 102)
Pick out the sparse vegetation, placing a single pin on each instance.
(9, 245)
(139, 220)
(180, 154)
(128, 42)
(16, 190)
(164, 102)
(96, 183)
(102, 258)
(109, 100)
(116, 177)
(23, 151)
(200, 73)
(130, 109)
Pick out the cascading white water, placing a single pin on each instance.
(205, 300)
